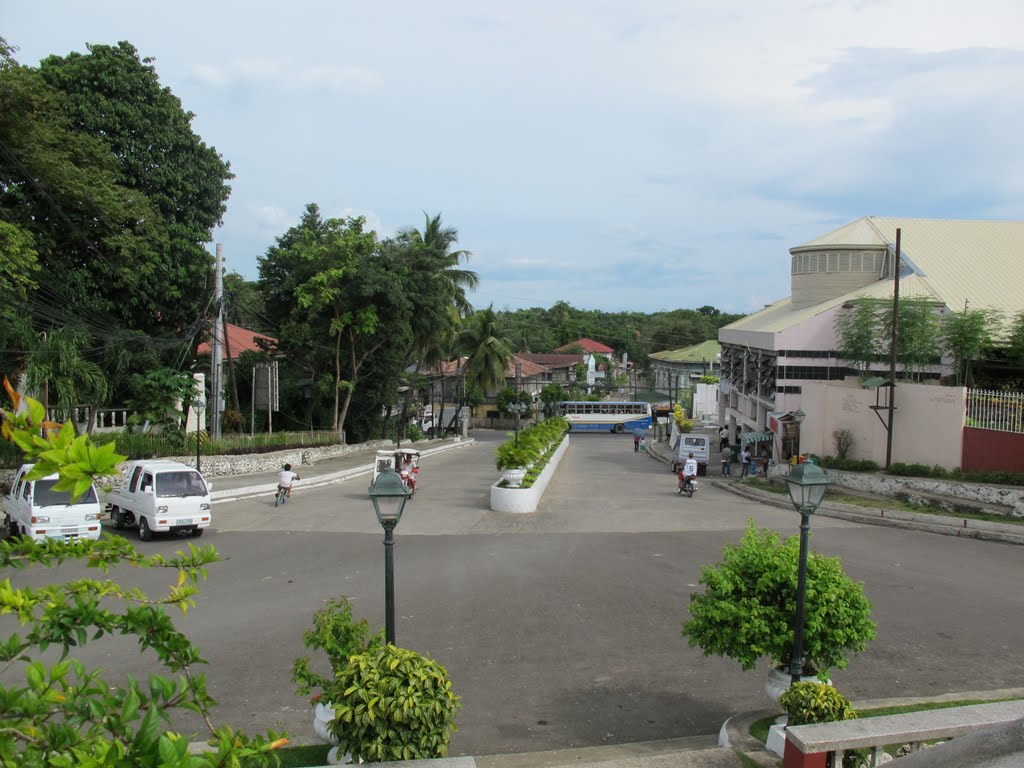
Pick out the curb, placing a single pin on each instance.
(268, 489)
(916, 521)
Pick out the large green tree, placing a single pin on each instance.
(337, 298)
(112, 94)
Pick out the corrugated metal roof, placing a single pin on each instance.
(981, 262)
(706, 350)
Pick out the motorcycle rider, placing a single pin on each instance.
(687, 473)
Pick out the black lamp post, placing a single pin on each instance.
(518, 409)
(389, 495)
(197, 406)
(798, 417)
(807, 485)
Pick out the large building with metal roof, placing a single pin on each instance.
(767, 355)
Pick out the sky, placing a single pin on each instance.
(640, 155)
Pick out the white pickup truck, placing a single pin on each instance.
(160, 496)
(35, 510)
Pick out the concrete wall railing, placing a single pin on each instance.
(808, 745)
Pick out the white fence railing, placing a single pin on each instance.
(992, 409)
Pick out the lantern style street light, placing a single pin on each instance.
(388, 494)
(807, 486)
(197, 406)
(518, 409)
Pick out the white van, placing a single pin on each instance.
(697, 444)
(35, 510)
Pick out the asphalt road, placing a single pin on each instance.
(561, 628)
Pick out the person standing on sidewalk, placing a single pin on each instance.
(726, 461)
(745, 460)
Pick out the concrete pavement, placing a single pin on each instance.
(693, 751)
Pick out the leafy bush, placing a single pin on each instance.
(67, 714)
(334, 633)
(232, 421)
(394, 705)
(747, 609)
(842, 439)
(535, 445)
(810, 702)
(849, 465)
(916, 470)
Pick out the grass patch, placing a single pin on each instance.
(304, 756)
(906, 506)
(764, 485)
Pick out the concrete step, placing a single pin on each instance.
(690, 752)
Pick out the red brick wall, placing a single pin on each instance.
(989, 450)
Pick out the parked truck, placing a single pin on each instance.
(160, 497)
(34, 509)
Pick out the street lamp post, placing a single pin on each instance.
(518, 409)
(388, 494)
(197, 406)
(798, 417)
(807, 485)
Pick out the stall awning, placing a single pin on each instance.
(756, 437)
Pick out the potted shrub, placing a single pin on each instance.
(339, 638)
(816, 702)
(748, 607)
(512, 460)
(394, 704)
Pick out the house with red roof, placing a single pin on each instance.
(587, 345)
(239, 340)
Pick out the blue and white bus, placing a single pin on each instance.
(605, 416)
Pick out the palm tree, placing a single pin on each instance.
(437, 264)
(487, 349)
(437, 288)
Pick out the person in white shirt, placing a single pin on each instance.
(688, 472)
(286, 478)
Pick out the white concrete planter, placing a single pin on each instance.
(323, 714)
(525, 500)
(513, 477)
(778, 682)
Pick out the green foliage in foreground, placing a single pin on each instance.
(812, 702)
(749, 600)
(65, 714)
(68, 715)
(394, 705)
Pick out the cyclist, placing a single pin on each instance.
(687, 473)
(285, 480)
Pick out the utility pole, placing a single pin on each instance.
(216, 385)
(893, 348)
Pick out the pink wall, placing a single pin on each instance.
(928, 423)
(992, 451)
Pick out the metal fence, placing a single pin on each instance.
(992, 409)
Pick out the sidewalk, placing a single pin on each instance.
(1008, 533)
(733, 746)
(231, 487)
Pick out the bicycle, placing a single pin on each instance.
(282, 496)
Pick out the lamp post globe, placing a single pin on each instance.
(389, 495)
(807, 484)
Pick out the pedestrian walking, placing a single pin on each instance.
(643, 445)
(726, 460)
(745, 460)
(723, 437)
(636, 442)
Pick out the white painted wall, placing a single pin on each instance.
(927, 428)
